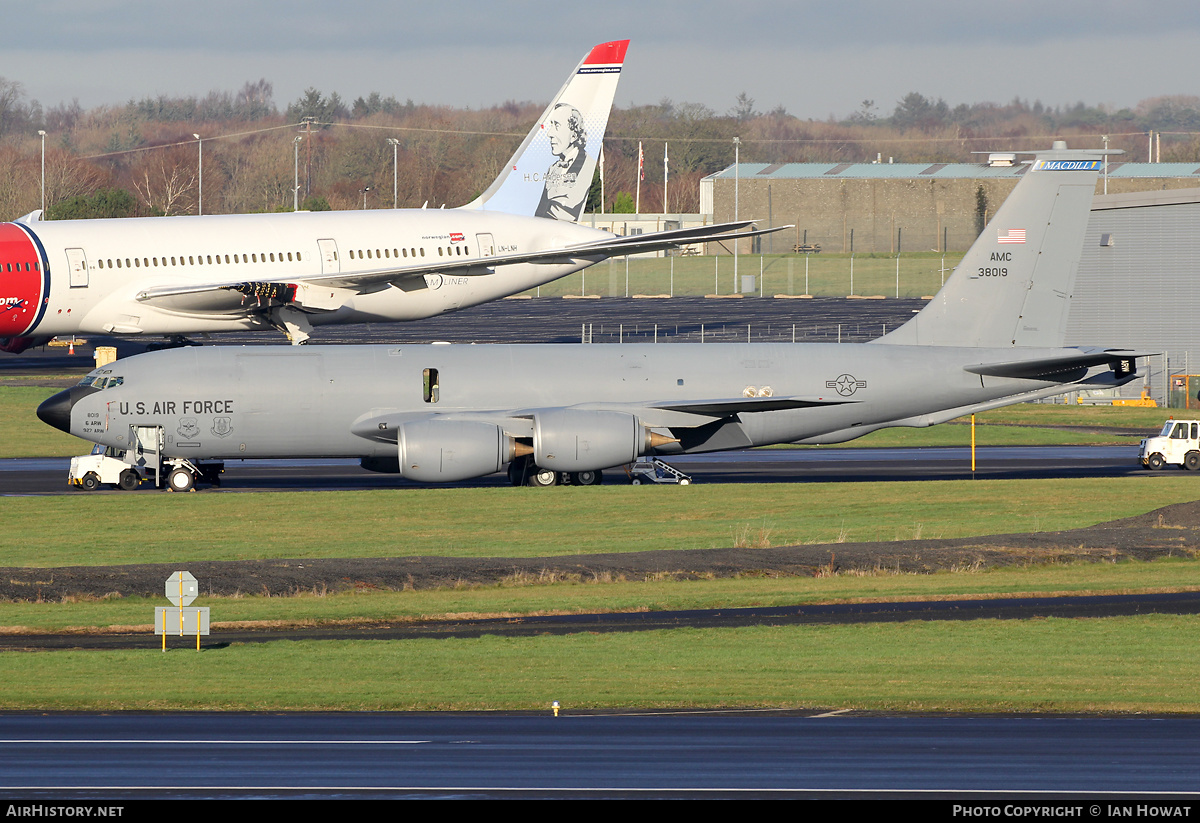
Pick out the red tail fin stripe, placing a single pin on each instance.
(613, 52)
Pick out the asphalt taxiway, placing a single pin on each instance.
(24, 476)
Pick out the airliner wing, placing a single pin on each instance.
(326, 292)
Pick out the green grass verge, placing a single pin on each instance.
(23, 435)
(1134, 664)
(1069, 414)
(585, 595)
(1123, 664)
(149, 527)
(1142, 664)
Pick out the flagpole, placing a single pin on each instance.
(637, 205)
(666, 210)
(602, 178)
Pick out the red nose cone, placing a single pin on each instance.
(22, 281)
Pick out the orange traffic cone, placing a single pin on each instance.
(71, 347)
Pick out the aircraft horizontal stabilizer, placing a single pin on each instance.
(1055, 366)
(661, 240)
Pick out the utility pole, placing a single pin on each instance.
(395, 144)
(307, 122)
(296, 172)
(43, 134)
(199, 174)
(737, 146)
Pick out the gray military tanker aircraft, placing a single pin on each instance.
(992, 336)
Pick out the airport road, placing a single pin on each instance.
(23, 476)
(1084, 763)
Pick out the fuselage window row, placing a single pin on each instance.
(254, 257)
(373, 254)
(190, 260)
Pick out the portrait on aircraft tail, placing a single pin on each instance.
(568, 178)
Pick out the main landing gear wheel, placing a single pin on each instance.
(542, 477)
(181, 480)
(593, 478)
(128, 480)
(516, 472)
(90, 482)
(1155, 461)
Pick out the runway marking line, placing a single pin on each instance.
(229, 742)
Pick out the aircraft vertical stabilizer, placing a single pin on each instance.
(551, 172)
(1014, 284)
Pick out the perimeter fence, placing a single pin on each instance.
(917, 274)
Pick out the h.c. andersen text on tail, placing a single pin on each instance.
(551, 172)
(1014, 285)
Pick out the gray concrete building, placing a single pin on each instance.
(1139, 285)
(1139, 277)
(882, 208)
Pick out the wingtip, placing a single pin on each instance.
(608, 53)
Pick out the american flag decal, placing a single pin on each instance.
(1012, 236)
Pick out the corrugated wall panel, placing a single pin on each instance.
(1142, 291)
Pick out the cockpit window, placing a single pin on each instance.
(101, 382)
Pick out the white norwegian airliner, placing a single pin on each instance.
(160, 276)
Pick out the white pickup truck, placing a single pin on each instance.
(1178, 444)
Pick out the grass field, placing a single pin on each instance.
(23, 435)
(585, 595)
(1142, 664)
(148, 527)
(822, 275)
(1137, 664)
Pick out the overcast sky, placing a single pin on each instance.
(813, 58)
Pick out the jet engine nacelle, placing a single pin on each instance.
(443, 451)
(577, 440)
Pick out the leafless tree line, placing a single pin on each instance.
(446, 156)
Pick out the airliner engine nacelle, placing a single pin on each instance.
(574, 440)
(445, 451)
(16, 345)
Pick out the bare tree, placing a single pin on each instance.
(68, 175)
(165, 180)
